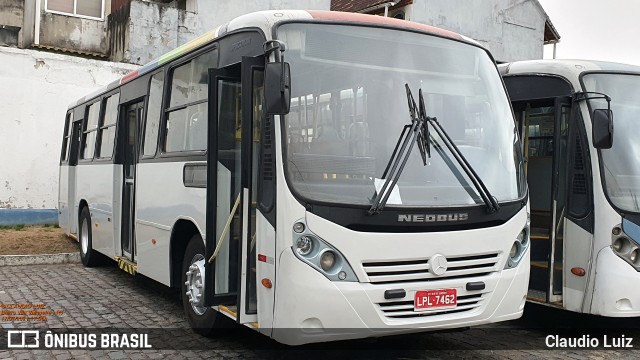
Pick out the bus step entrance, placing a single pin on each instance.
(126, 265)
(537, 295)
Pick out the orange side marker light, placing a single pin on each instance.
(267, 283)
(577, 271)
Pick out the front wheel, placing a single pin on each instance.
(204, 320)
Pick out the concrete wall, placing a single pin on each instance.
(73, 33)
(511, 29)
(11, 15)
(35, 90)
(142, 31)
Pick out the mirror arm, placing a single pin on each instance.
(587, 95)
(278, 47)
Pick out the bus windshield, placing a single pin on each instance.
(621, 163)
(349, 106)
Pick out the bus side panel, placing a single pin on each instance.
(95, 187)
(63, 198)
(266, 246)
(161, 200)
(577, 253)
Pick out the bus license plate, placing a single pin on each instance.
(441, 298)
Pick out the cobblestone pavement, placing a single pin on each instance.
(107, 298)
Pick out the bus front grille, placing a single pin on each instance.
(418, 270)
(404, 309)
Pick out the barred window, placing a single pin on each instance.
(108, 127)
(186, 126)
(89, 131)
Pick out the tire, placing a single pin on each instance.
(203, 320)
(88, 256)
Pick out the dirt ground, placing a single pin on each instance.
(35, 240)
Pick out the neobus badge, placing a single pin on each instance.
(433, 217)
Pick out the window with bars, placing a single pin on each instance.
(84, 8)
(89, 131)
(186, 124)
(107, 132)
(67, 138)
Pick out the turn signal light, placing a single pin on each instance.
(578, 271)
(267, 283)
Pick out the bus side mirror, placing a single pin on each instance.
(602, 129)
(277, 88)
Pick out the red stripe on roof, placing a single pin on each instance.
(130, 76)
(381, 20)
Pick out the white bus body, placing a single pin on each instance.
(294, 252)
(585, 226)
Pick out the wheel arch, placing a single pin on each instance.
(181, 232)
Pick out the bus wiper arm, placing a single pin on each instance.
(410, 134)
(489, 200)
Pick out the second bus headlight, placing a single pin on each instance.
(518, 249)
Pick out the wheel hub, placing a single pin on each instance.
(195, 284)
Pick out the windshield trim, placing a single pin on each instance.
(600, 166)
(308, 203)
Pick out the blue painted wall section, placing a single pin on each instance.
(10, 217)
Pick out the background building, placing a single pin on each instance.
(511, 29)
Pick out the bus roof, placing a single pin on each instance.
(265, 20)
(569, 69)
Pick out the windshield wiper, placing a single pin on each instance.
(489, 200)
(418, 131)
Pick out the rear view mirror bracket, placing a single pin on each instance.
(277, 80)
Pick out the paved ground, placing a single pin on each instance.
(108, 298)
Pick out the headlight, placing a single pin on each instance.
(624, 243)
(518, 249)
(327, 260)
(319, 254)
(514, 250)
(304, 245)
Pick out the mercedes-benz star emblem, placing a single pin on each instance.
(438, 264)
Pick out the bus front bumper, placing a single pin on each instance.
(612, 295)
(310, 308)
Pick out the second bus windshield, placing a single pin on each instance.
(349, 106)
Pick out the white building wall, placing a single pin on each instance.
(35, 90)
(511, 29)
(215, 13)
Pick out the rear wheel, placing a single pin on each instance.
(203, 320)
(88, 256)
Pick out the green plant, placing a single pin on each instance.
(19, 227)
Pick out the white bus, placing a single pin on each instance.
(578, 120)
(313, 228)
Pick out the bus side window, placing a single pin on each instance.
(154, 110)
(107, 130)
(64, 157)
(186, 125)
(89, 131)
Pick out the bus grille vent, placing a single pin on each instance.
(417, 270)
(404, 309)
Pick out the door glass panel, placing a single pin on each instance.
(560, 196)
(133, 119)
(229, 187)
(257, 106)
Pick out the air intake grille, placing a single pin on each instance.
(389, 272)
(404, 309)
